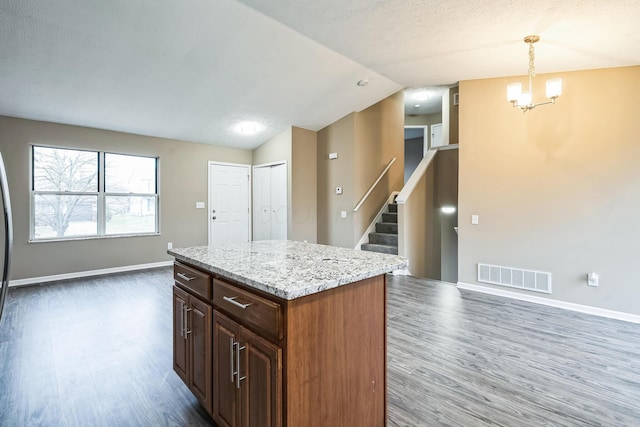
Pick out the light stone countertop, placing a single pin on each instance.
(288, 269)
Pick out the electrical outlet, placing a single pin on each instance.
(593, 279)
(169, 245)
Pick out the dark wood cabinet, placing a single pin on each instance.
(247, 385)
(226, 333)
(256, 360)
(192, 358)
(261, 397)
(180, 344)
(200, 380)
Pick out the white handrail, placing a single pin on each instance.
(373, 186)
(415, 177)
(420, 170)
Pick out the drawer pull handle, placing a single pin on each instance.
(185, 328)
(238, 349)
(231, 347)
(233, 301)
(185, 277)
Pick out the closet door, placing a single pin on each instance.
(279, 202)
(262, 203)
(270, 202)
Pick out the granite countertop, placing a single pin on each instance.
(289, 269)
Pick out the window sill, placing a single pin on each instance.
(112, 236)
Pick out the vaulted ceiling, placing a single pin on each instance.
(193, 69)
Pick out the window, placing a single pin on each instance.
(79, 194)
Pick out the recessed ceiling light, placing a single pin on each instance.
(362, 82)
(248, 128)
(423, 95)
(448, 209)
(417, 106)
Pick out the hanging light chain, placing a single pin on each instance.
(532, 57)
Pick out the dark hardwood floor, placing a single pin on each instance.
(460, 358)
(93, 352)
(97, 352)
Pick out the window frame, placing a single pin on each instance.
(101, 194)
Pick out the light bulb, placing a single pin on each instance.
(554, 88)
(513, 91)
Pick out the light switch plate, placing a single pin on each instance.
(333, 156)
(343, 214)
(338, 190)
(475, 219)
(199, 205)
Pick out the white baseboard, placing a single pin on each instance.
(602, 312)
(80, 274)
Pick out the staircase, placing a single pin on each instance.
(385, 238)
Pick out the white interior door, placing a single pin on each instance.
(436, 135)
(279, 202)
(262, 203)
(228, 203)
(270, 202)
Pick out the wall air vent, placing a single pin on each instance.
(529, 280)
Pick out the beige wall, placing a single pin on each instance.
(446, 181)
(365, 142)
(450, 117)
(379, 138)
(304, 207)
(336, 138)
(277, 149)
(298, 148)
(422, 119)
(556, 189)
(425, 235)
(183, 181)
(416, 228)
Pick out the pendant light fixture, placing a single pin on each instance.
(524, 100)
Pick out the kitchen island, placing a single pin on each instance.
(282, 333)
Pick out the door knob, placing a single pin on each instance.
(213, 217)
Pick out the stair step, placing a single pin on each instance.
(384, 238)
(390, 217)
(385, 249)
(393, 208)
(387, 227)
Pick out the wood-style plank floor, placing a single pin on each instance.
(97, 352)
(460, 358)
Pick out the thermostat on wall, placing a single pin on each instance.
(333, 156)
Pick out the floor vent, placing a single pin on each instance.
(529, 280)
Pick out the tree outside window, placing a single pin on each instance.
(78, 193)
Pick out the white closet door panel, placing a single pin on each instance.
(279, 202)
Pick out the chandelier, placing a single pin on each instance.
(524, 100)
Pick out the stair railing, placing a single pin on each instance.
(361, 202)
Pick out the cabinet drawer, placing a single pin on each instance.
(194, 280)
(251, 309)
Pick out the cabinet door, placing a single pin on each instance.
(180, 341)
(226, 398)
(262, 387)
(201, 361)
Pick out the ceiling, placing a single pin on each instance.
(193, 69)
